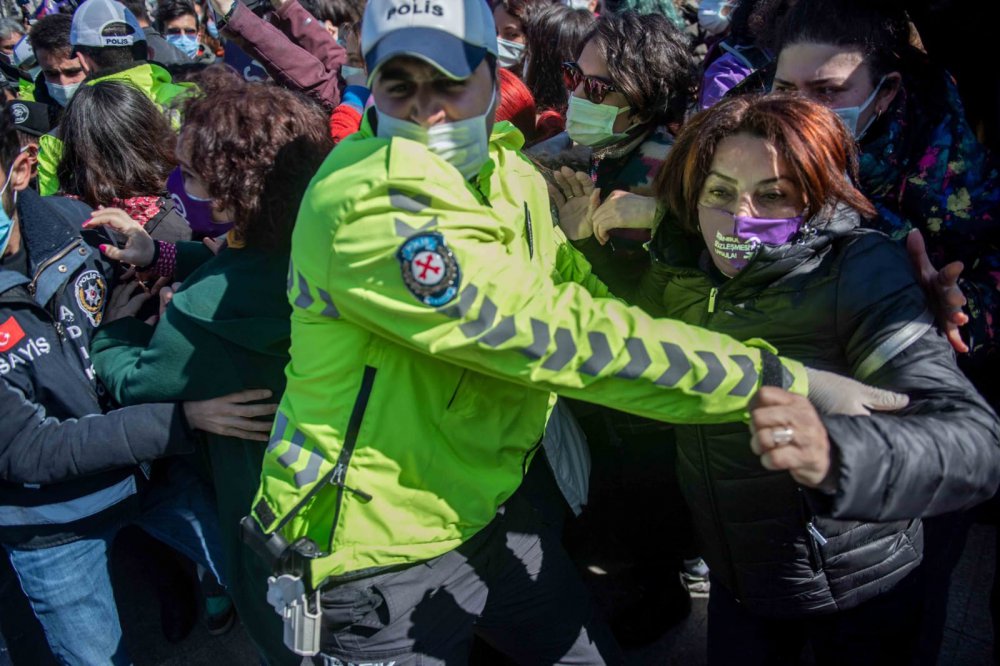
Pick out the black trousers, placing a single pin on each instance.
(879, 632)
(512, 584)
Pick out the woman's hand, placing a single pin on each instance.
(576, 199)
(945, 296)
(624, 210)
(231, 416)
(789, 434)
(139, 248)
(166, 293)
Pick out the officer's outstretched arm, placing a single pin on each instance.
(448, 279)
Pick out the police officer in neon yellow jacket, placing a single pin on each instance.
(107, 36)
(436, 313)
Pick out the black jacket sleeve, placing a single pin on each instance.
(940, 454)
(38, 449)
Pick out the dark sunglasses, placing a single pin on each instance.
(594, 87)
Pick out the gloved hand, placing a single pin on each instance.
(831, 393)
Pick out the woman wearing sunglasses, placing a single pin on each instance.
(628, 88)
(811, 525)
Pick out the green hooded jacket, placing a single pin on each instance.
(226, 330)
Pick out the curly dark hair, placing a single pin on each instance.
(51, 33)
(649, 62)
(116, 144)
(756, 21)
(554, 35)
(256, 146)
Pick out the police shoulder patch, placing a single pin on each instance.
(90, 290)
(430, 269)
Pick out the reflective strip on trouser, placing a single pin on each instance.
(70, 510)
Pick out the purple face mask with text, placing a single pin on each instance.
(736, 239)
(197, 211)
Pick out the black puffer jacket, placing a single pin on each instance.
(841, 299)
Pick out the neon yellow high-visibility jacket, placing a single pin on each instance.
(26, 90)
(147, 77)
(432, 322)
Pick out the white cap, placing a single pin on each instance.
(452, 35)
(93, 16)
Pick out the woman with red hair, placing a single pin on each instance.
(811, 525)
(516, 104)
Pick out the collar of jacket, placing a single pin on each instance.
(680, 252)
(46, 233)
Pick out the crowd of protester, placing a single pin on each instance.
(490, 331)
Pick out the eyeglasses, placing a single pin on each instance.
(182, 31)
(595, 88)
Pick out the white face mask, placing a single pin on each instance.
(465, 144)
(510, 53)
(592, 124)
(62, 94)
(850, 115)
(710, 17)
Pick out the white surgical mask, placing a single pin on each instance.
(578, 4)
(592, 124)
(62, 94)
(510, 53)
(710, 17)
(850, 115)
(465, 144)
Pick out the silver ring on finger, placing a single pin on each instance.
(782, 436)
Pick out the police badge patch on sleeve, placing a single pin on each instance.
(90, 290)
(430, 269)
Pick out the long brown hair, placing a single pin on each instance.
(116, 144)
(810, 138)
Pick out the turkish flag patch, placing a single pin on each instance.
(11, 333)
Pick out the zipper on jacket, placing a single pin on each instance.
(33, 285)
(814, 538)
(738, 593)
(339, 474)
(816, 534)
(339, 470)
(527, 454)
(529, 232)
(711, 299)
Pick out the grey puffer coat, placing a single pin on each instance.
(842, 299)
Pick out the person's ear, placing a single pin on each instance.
(20, 172)
(890, 88)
